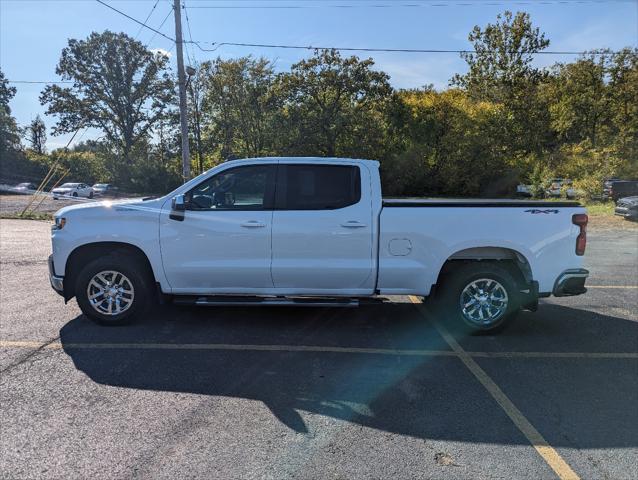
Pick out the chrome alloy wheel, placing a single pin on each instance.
(110, 292)
(483, 301)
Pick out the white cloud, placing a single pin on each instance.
(161, 51)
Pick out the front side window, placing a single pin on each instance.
(318, 187)
(240, 188)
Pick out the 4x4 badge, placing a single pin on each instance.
(536, 210)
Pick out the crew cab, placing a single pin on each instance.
(314, 231)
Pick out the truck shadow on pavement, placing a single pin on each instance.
(584, 402)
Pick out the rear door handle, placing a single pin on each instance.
(253, 224)
(353, 224)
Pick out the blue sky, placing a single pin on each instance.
(33, 33)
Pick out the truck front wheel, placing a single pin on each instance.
(482, 296)
(113, 290)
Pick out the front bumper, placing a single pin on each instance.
(57, 283)
(571, 282)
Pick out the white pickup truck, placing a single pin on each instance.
(314, 231)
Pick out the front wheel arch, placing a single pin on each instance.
(88, 252)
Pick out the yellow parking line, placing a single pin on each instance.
(544, 449)
(609, 355)
(310, 348)
(612, 286)
(224, 346)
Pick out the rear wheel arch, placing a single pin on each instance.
(516, 263)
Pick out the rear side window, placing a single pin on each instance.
(317, 187)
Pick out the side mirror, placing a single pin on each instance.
(178, 203)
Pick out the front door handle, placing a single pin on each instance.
(253, 224)
(353, 224)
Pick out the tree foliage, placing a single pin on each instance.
(37, 135)
(119, 87)
(503, 121)
(333, 106)
(9, 132)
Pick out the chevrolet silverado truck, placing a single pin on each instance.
(314, 231)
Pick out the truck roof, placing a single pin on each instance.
(319, 160)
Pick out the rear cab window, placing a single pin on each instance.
(317, 187)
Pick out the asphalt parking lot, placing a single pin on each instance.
(385, 390)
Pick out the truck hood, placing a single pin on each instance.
(110, 207)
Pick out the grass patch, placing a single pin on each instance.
(27, 216)
(600, 208)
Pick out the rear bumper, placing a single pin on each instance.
(57, 283)
(571, 282)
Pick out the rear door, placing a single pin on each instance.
(322, 229)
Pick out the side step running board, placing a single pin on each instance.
(234, 301)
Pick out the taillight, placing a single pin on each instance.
(581, 220)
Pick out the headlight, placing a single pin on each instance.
(60, 222)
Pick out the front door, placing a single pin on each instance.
(223, 243)
(322, 230)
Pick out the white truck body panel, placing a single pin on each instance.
(545, 240)
(371, 247)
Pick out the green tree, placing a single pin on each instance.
(503, 57)
(119, 87)
(578, 97)
(452, 145)
(623, 104)
(501, 71)
(239, 106)
(9, 132)
(334, 106)
(37, 134)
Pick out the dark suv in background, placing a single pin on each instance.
(621, 189)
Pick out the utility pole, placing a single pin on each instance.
(181, 80)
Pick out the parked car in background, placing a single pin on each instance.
(557, 187)
(73, 190)
(607, 187)
(100, 189)
(627, 207)
(623, 188)
(25, 187)
(523, 190)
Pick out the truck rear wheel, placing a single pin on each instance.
(481, 296)
(113, 290)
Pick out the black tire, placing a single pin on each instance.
(91, 195)
(135, 271)
(456, 281)
(75, 194)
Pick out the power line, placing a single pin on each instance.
(135, 20)
(464, 3)
(217, 45)
(38, 81)
(160, 27)
(147, 19)
(190, 36)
